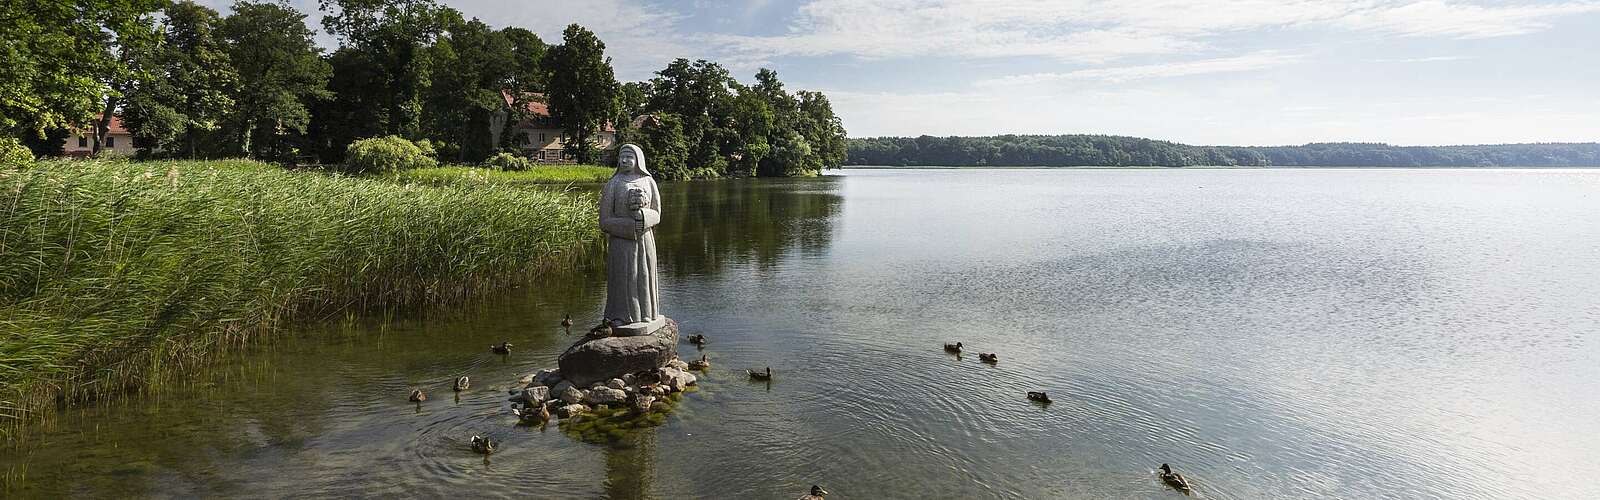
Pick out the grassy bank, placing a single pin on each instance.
(542, 174)
(112, 274)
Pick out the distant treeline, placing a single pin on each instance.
(1108, 150)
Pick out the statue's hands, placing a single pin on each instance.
(635, 199)
(638, 226)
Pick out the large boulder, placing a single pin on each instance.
(599, 360)
(606, 396)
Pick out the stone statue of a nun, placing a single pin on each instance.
(630, 208)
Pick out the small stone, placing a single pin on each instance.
(606, 396)
(547, 377)
(572, 395)
(629, 389)
(526, 379)
(560, 387)
(678, 363)
(569, 411)
(629, 379)
(533, 395)
(642, 404)
(616, 383)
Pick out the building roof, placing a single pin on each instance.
(114, 128)
(537, 105)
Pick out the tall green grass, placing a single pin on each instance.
(113, 274)
(475, 176)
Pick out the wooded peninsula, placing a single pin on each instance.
(1122, 151)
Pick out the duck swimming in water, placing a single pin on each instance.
(1039, 396)
(955, 348)
(1175, 480)
(700, 364)
(755, 375)
(482, 444)
(989, 357)
(816, 493)
(567, 324)
(697, 339)
(463, 383)
(503, 348)
(417, 396)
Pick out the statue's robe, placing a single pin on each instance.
(632, 292)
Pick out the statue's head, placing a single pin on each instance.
(630, 159)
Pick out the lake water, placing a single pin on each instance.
(1286, 333)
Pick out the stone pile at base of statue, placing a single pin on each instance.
(617, 372)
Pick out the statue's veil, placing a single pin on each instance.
(638, 156)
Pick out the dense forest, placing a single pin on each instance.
(1106, 150)
(190, 82)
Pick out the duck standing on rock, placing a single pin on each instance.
(566, 323)
(417, 396)
(755, 375)
(463, 383)
(700, 364)
(989, 357)
(482, 444)
(955, 348)
(1175, 480)
(601, 330)
(1039, 396)
(503, 348)
(816, 493)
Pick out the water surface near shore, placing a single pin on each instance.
(1270, 333)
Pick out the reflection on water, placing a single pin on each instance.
(1279, 333)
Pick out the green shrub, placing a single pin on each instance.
(378, 155)
(510, 162)
(13, 154)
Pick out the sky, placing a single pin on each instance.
(1211, 72)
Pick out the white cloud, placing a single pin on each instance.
(1096, 31)
(1459, 20)
(1249, 62)
(1422, 59)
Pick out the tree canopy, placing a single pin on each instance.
(191, 82)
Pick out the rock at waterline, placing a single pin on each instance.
(616, 383)
(598, 360)
(546, 377)
(533, 395)
(569, 410)
(571, 395)
(606, 396)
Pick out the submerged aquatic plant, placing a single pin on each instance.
(113, 274)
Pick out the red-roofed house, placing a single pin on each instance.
(118, 140)
(542, 140)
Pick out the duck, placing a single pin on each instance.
(530, 415)
(503, 348)
(417, 396)
(988, 357)
(955, 348)
(1175, 480)
(700, 364)
(463, 383)
(482, 444)
(601, 330)
(1039, 396)
(566, 323)
(816, 493)
(755, 375)
(697, 339)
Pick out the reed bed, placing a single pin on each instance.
(113, 274)
(538, 175)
